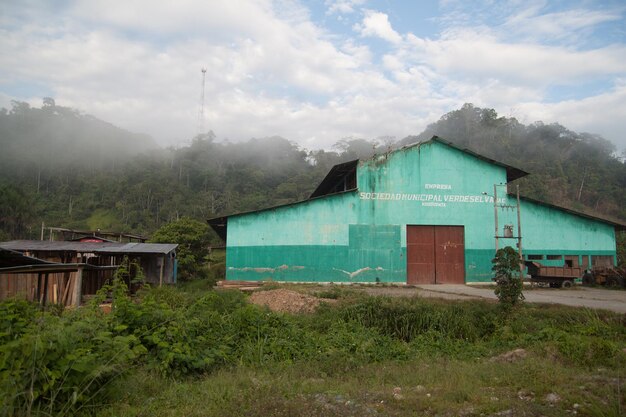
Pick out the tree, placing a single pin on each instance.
(192, 236)
(509, 284)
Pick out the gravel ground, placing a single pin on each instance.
(596, 298)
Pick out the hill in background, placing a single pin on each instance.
(72, 170)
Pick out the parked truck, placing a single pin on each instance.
(564, 276)
(555, 276)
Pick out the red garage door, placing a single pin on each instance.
(435, 255)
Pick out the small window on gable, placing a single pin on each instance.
(554, 257)
(535, 257)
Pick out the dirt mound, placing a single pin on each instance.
(286, 301)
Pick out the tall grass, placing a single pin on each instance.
(407, 318)
(56, 364)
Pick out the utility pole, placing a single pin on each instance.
(495, 212)
(517, 207)
(519, 238)
(201, 112)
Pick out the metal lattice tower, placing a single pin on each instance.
(201, 111)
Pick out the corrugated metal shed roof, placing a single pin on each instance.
(15, 262)
(142, 248)
(11, 258)
(92, 247)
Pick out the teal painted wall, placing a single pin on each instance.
(360, 236)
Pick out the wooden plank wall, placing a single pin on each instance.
(61, 284)
(60, 288)
(24, 286)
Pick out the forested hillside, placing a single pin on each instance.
(577, 170)
(66, 169)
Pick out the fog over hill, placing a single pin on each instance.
(69, 169)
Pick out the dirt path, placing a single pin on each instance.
(576, 297)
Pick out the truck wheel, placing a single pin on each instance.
(567, 284)
(611, 282)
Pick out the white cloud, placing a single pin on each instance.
(282, 77)
(272, 70)
(604, 113)
(342, 6)
(229, 19)
(469, 55)
(377, 24)
(568, 24)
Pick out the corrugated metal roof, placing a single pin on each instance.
(144, 248)
(11, 258)
(90, 247)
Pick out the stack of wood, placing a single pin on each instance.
(239, 285)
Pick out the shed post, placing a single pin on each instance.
(38, 292)
(45, 289)
(78, 286)
(161, 270)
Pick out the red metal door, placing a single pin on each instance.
(420, 254)
(449, 255)
(435, 255)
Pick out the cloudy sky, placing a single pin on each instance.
(317, 71)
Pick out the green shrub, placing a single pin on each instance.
(225, 301)
(578, 349)
(259, 336)
(16, 316)
(59, 365)
(506, 267)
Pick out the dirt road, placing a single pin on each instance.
(596, 298)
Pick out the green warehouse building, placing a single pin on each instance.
(421, 214)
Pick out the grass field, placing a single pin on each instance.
(426, 386)
(192, 351)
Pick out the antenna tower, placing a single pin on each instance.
(201, 112)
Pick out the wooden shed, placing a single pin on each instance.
(63, 272)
